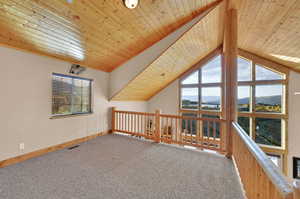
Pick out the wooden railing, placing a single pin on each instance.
(260, 177)
(203, 133)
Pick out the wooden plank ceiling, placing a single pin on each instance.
(101, 34)
(203, 38)
(271, 29)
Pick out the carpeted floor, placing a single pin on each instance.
(116, 166)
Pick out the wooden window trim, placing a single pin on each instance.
(256, 60)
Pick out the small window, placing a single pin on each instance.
(244, 69)
(268, 131)
(211, 98)
(276, 159)
(189, 98)
(70, 95)
(244, 122)
(211, 72)
(296, 168)
(191, 79)
(244, 98)
(263, 73)
(268, 98)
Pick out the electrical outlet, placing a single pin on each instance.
(22, 146)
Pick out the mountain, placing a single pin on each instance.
(276, 99)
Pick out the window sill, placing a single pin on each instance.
(70, 115)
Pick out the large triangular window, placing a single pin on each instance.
(201, 89)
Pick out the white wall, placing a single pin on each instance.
(167, 100)
(294, 120)
(25, 104)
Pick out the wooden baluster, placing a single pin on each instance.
(172, 130)
(113, 121)
(123, 119)
(176, 130)
(214, 134)
(157, 125)
(201, 132)
(138, 122)
(132, 122)
(166, 129)
(127, 122)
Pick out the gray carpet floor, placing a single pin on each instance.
(116, 166)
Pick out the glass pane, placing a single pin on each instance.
(268, 131)
(61, 95)
(244, 69)
(211, 72)
(244, 98)
(77, 96)
(211, 98)
(189, 126)
(191, 79)
(266, 74)
(268, 98)
(211, 129)
(86, 96)
(276, 159)
(189, 98)
(244, 122)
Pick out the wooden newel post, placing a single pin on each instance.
(113, 120)
(157, 126)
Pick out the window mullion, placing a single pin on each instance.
(200, 89)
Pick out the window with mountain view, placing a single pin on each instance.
(201, 91)
(261, 103)
(70, 95)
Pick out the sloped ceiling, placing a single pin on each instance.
(198, 42)
(271, 29)
(101, 34)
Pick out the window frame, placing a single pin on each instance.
(53, 116)
(198, 67)
(252, 115)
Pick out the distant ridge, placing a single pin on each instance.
(275, 99)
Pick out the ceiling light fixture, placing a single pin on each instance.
(131, 4)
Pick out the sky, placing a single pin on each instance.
(211, 73)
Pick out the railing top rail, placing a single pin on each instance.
(137, 113)
(193, 118)
(273, 172)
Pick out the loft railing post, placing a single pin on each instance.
(113, 120)
(230, 64)
(157, 126)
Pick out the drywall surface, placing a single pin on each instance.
(25, 104)
(294, 121)
(167, 100)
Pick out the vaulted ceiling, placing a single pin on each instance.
(198, 42)
(101, 34)
(271, 29)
